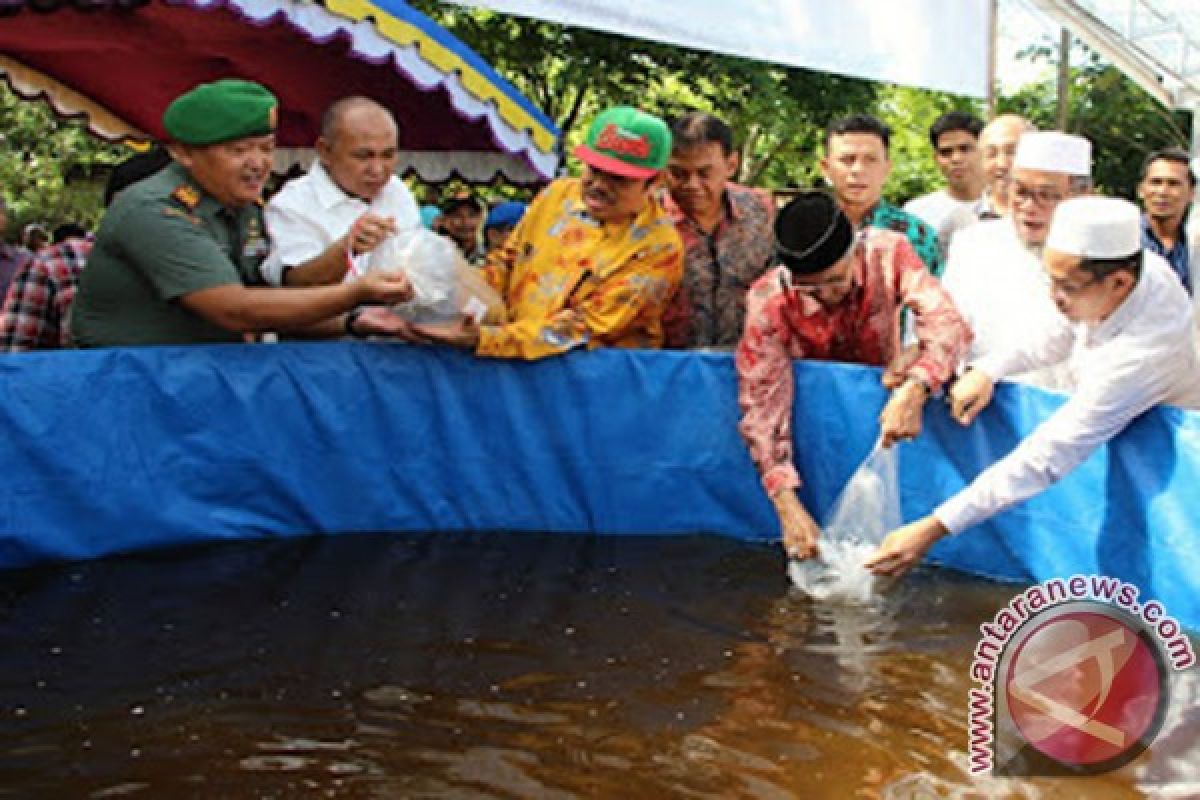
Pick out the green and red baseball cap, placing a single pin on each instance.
(626, 141)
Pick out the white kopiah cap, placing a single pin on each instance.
(1096, 227)
(1051, 151)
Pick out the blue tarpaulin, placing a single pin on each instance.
(111, 451)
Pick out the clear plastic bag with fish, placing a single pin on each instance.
(865, 512)
(445, 286)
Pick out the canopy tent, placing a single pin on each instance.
(118, 63)
(935, 44)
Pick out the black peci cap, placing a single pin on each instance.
(812, 233)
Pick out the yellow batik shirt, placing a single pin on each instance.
(570, 281)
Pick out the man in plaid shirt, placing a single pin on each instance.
(35, 310)
(34, 315)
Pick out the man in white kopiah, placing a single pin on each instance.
(994, 271)
(324, 225)
(1125, 323)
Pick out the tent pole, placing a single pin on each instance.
(992, 33)
(1195, 109)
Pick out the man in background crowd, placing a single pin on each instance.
(34, 237)
(1167, 190)
(12, 257)
(726, 233)
(461, 220)
(857, 165)
(38, 303)
(997, 147)
(955, 139)
(500, 223)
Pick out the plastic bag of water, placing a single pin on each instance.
(866, 510)
(444, 285)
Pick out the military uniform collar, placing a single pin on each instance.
(191, 195)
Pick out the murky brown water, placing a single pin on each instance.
(500, 666)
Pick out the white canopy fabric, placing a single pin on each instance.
(431, 166)
(935, 44)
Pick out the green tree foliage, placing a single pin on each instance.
(51, 170)
(1123, 123)
(779, 113)
(572, 73)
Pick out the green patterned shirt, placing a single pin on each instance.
(920, 235)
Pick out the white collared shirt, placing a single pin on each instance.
(311, 212)
(1139, 357)
(999, 286)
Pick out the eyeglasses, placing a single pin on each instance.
(1041, 196)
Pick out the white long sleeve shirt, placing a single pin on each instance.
(999, 286)
(1139, 357)
(312, 212)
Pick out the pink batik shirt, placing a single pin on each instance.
(783, 324)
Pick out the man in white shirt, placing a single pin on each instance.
(1127, 329)
(994, 272)
(955, 139)
(324, 225)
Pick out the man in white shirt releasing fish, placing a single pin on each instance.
(1126, 326)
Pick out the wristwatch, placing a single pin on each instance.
(351, 318)
(922, 384)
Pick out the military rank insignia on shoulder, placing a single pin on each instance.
(187, 195)
(171, 211)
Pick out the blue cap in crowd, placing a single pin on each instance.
(505, 215)
(429, 214)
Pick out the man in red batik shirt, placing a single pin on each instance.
(836, 296)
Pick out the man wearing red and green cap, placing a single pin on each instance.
(594, 260)
(176, 259)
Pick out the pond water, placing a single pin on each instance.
(501, 666)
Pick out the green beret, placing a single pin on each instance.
(221, 111)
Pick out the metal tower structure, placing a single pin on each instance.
(1154, 42)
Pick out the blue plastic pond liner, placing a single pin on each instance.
(118, 450)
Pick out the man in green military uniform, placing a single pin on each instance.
(176, 257)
